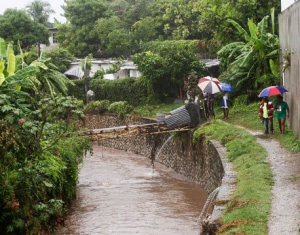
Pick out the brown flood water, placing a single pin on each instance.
(119, 193)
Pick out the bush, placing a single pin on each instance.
(121, 108)
(78, 90)
(97, 107)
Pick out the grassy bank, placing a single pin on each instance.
(239, 115)
(248, 210)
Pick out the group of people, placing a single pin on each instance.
(266, 112)
(209, 105)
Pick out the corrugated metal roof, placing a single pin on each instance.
(179, 117)
(73, 72)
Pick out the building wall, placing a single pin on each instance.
(286, 3)
(105, 65)
(289, 34)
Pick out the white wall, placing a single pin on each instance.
(124, 72)
(286, 3)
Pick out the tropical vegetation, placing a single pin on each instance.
(253, 62)
(40, 150)
(28, 33)
(166, 39)
(40, 11)
(114, 28)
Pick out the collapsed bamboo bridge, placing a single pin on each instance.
(129, 131)
(181, 119)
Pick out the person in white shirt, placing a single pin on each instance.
(90, 95)
(225, 105)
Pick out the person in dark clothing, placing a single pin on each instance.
(205, 104)
(210, 100)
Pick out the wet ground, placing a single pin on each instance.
(120, 193)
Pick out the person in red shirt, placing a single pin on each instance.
(266, 110)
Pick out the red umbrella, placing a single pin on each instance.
(209, 85)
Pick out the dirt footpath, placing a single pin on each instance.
(285, 209)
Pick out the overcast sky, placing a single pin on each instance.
(20, 4)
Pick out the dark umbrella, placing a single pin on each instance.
(272, 90)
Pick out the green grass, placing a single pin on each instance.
(247, 116)
(241, 115)
(248, 210)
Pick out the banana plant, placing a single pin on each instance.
(254, 58)
(9, 76)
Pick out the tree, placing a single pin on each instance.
(113, 36)
(143, 31)
(118, 7)
(85, 12)
(80, 37)
(169, 64)
(182, 19)
(40, 11)
(215, 14)
(16, 25)
(49, 80)
(252, 62)
(61, 58)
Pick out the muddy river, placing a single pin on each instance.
(120, 193)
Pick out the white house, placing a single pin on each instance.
(129, 69)
(52, 40)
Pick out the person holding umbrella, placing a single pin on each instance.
(282, 112)
(281, 107)
(210, 105)
(225, 105)
(210, 86)
(266, 110)
(226, 88)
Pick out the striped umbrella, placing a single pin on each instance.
(272, 90)
(209, 85)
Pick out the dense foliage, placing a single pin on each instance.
(114, 28)
(16, 25)
(61, 58)
(40, 151)
(253, 62)
(133, 90)
(168, 64)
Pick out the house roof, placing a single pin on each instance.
(210, 63)
(73, 72)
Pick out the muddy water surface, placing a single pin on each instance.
(119, 193)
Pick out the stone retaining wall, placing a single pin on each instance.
(199, 160)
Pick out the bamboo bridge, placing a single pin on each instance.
(181, 119)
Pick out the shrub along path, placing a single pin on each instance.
(284, 218)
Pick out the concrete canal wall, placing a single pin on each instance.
(198, 160)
